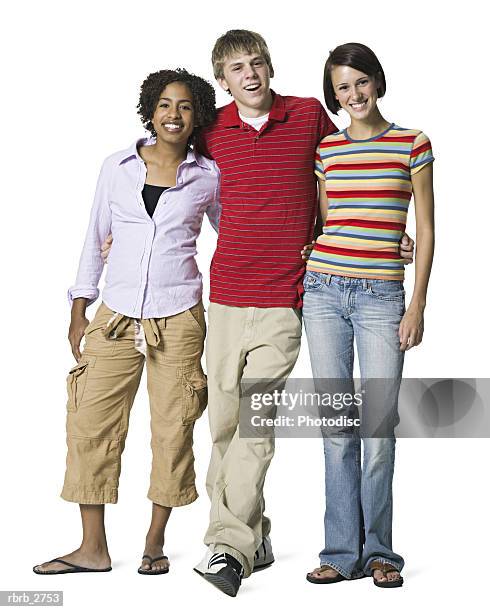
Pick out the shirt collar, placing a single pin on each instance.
(132, 153)
(277, 112)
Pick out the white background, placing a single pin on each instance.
(70, 82)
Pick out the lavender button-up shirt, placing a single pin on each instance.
(151, 270)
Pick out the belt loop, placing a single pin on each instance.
(139, 337)
(364, 284)
(116, 324)
(156, 333)
(328, 279)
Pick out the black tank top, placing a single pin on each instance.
(151, 195)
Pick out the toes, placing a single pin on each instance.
(323, 572)
(49, 566)
(379, 576)
(44, 567)
(316, 573)
(161, 565)
(156, 566)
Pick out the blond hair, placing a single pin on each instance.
(238, 41)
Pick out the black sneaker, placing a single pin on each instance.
(263, 558)
(263, 555)
(225, 573)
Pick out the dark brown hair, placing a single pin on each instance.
(357, 56)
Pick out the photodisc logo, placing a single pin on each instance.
(375, 408)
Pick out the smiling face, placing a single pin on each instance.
(173, 119)
(247, 78)
(356, 92)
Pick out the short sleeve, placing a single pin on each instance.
(213, 211)
(201, 144)
(421, 153)
(325, 125)
(319, 168)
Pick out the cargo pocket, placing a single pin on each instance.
(195, 398)
(75, 385)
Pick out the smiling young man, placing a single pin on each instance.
(264, 145)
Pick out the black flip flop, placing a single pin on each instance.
(326, 580)
(72, 569)
(151, 572)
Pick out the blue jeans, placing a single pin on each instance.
(358, 514)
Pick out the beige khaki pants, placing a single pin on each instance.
(250, 343)
(101, 391)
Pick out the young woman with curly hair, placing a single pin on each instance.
(151, 197)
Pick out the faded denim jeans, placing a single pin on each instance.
(358, 515)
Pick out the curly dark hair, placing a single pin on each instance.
(203, 96)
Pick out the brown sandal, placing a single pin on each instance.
(326, 580)
(385, 568)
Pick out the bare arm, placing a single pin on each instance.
(78, 324)
(412, 325)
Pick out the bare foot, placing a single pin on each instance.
(390, 576)
(324, 575)
(92, 559)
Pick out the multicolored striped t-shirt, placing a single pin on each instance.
(369, 187)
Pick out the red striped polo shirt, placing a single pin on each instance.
(268, 201)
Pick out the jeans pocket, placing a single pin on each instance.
(312, 281)
(195, 395)
(389, 291)
(75, 384)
